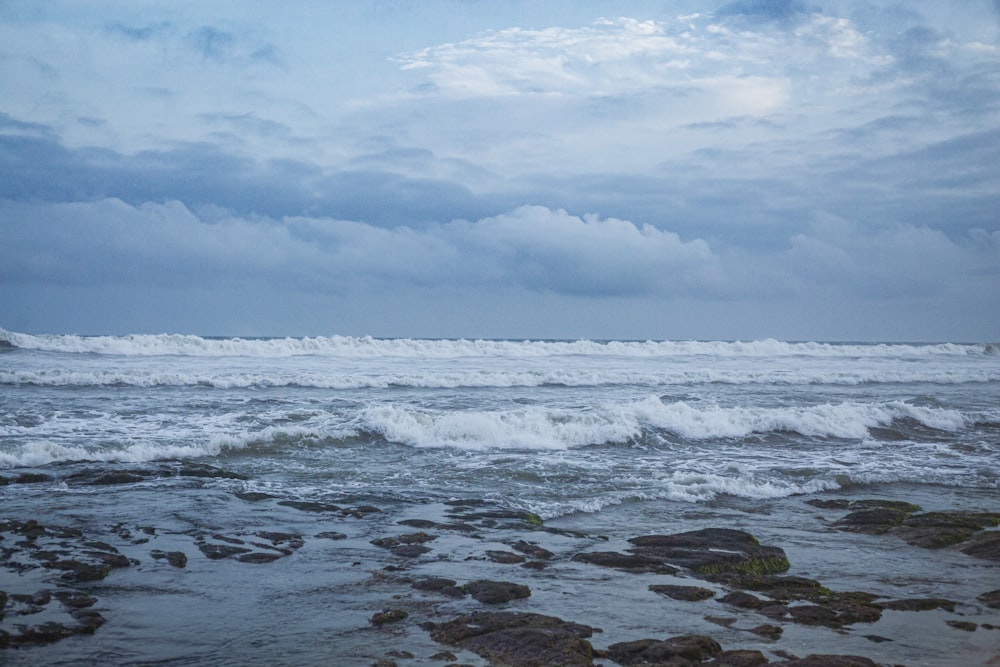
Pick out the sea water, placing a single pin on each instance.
(588, 434)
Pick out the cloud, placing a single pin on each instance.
(533, 248)
(770, 10)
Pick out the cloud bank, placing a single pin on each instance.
(724, 170)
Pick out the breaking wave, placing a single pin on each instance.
(360, 347)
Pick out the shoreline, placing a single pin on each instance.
(282, 581)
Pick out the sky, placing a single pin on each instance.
(717, 170)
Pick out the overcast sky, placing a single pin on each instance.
(460, 168)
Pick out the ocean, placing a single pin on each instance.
(616, 438)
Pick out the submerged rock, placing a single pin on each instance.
(991, 599)
(628, 562)
(918, 604)
(517, 639)
(388, 616)
(686, 593)
(827, 661)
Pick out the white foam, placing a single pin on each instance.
(547, 428)
(349, 346)
(45, 451)
(444, 379)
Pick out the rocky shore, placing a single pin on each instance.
(467, 581)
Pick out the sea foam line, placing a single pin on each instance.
(349, 346)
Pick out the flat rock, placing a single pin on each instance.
(439, 585)
(652, 651)
(505, 557)
(496, 592)
(388, 616)
(517, 639)
(219, 551)
(934, 530)
(827, 661)
(874, 521)
(741, 659)
(628, 562)
(918, 604)
(713, 551)
(985, 545)
(686, 593)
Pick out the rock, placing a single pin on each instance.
(505, 557)
(686, 593)
(933, 530)
(310, 506)
(189, 469)
(32, 478)
(827, 661)
(690, 647)
(411, 538)
(830, 504)
(439, 585)
(742, 600)
(776, 587)
(967, 626)
(767, 631)
(253, 496)
(811, 614)
(417, 523)
(258, 557)
(110, 478)
(713, 551)
(328, 535)
(177, 558)
(740, 659)
(388, 616)
(444, 656)
(872, 521)
(919, 604)
(518, 639)
(532, 550)
(990, 599)
(986, 545)
(74, 599)
(628, 562)
(496, 592)
(217, 551)
(410, 550)
(79, 571)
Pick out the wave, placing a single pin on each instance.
(548, 428)
(360, 347)
(45, 452)
(645, 423)
(487, 379)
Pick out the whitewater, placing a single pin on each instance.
(554, 427)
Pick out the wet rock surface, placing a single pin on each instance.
(518, 639)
